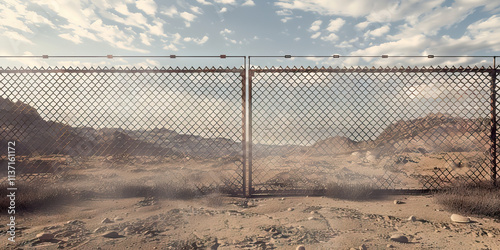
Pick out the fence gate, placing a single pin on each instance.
(394, 128)
(112, 125)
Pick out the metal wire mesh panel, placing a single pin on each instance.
(394, 128)
(172, 125)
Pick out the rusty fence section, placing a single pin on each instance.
(114, 125)
(391, 128)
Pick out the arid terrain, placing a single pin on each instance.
(141, 189)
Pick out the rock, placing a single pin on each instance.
(399, 238)
(111, 234)
(118, 219)
(491, 235)
(106, 220)
(300, 247)
(100, 230)
(290, 209)
(412, 218)
(390, 246)
(311, 218)
(74, 222)
(214, 246)
(45, 236)
(396, 202)
(362, 247)
(459, 218)
(314, 212)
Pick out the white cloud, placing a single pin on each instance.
(286, 19)
(297, 39)
(196, 9)
(171, 11)
(315, 26)
(362, 25)
(71, 37)
(16, 36)
(145, 39)
(335, 24)
(316, 35)
(198, 41)
(379, 31)
(225, 1)
(226, 31)
(223, 10)
(204, 2)
(171, 47)
(284, 12)
(148, 6)
(248, 3)
(188, 17)
(330, 38)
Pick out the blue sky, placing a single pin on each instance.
(249, 27)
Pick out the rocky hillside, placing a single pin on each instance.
(22, 123)
(432, 133)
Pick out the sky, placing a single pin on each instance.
(254, 28)
(249, 27)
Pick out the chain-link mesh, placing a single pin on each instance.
(181, 125)
(395, 128)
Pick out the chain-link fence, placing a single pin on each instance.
(392, 128)
(388, 128)
(170, 125)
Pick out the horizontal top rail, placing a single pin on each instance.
(121, 70)
(372, 69)
(116, 56)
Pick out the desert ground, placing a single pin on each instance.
(107, 215)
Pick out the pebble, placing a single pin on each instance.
(111, 234)
(459, 218)
(311, 218)
(491, 235)
(118, 219)
(314, 212)
(412, 218)
(399, 238)
(362, 247)
(45, 236)
(106, 220)
(300, 247)
(290, 209)
(100, 230)
(73, 222)
(390, 246)
(397, 202)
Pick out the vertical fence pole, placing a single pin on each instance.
(493, 101)
(249, 128)
(243, 129)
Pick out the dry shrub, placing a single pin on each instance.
(471, 198)
(349, 191)
(35, 196)
(164, 190)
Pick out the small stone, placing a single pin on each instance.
(459, 218)
(396, 202)
(100, 230)
(45, 236)
(399, 238)
(106, 220)
(311, 218)
(283, 198)
(73, 222)
(111, 234)
(412, 218)
(314, 212)
(390, 246)
(300, 247)
(118, 219)
(362, 247)
(290, 209)
(491, 235)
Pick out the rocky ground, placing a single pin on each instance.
(219, 222)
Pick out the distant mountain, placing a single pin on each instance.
(22, 123)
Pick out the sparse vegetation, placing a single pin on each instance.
(349, 191)
(35, 196)
(481, 199)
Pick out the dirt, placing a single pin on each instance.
(256, 223)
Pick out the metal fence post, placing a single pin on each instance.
(493, 101)
(249, 128)
(244, 124)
